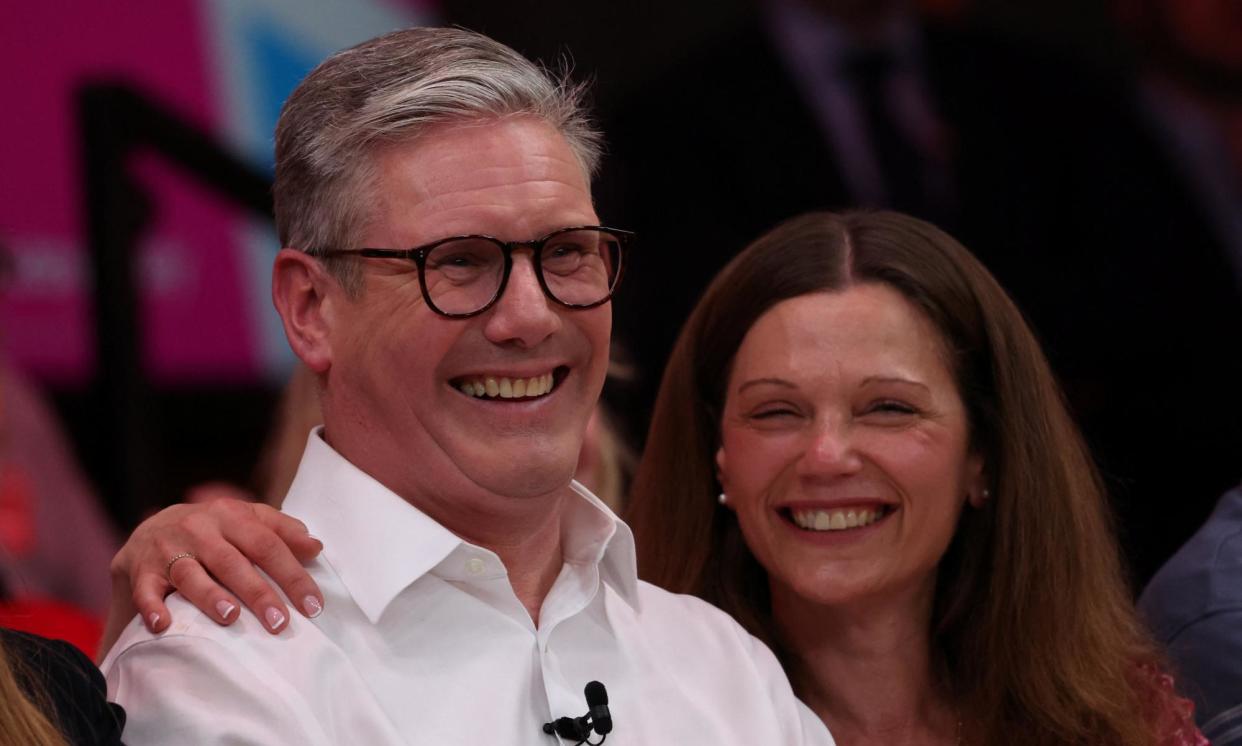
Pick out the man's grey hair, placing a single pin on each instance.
(390, 89)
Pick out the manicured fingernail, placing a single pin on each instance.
(224, 609)
(274, 618)
(152, 620)
(312, 606)
(316, 538)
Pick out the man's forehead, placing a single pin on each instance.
(479, 153)
(517, 178)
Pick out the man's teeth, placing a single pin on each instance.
(837, 520)
(507, 388)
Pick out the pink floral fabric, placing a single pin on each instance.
(1175, 716)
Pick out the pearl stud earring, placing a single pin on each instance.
(723, 499)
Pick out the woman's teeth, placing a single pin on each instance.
(837, 520)
(506, 388)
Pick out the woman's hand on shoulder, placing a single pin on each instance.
(208, 550)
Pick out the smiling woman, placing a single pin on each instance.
(906, 511)
(844, 447)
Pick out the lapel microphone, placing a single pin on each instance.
(597, 719)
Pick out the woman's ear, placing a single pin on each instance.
(977, 491)
(303, 294)
(721, 477)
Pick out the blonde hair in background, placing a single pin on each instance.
(23, 721)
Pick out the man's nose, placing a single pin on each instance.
(523, 314)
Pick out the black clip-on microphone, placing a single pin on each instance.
(597, 719)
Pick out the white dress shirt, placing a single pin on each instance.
(422, 640)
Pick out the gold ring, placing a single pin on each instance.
(173, 561)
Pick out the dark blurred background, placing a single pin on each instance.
(1087, 151)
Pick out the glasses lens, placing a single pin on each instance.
(463, 275)
(581, 267)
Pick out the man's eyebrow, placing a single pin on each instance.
(760, 381)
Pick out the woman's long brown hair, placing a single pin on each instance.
(1035, 633)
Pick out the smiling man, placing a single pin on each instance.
(447, 280)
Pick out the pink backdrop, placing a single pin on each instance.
(223, 65)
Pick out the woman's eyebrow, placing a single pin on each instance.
(772, 381)
(895, 379)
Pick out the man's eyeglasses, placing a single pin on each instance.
(463, 276)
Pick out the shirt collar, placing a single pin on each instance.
(379, 544)
(592, 533)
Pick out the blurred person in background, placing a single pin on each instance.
(1190, 87)
(1194, 607)
(55, 541)
(53, 538)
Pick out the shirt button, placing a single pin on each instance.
(475, 566)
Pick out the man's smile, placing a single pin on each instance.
(497, 386)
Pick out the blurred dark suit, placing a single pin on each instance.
(1053, 183)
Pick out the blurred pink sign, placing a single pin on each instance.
(202, 264)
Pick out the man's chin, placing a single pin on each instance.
(521, 464)
(522, 471)
(527, 480)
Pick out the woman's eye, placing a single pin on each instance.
(773, 413)
(889, 407)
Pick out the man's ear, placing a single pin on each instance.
(304, 295)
